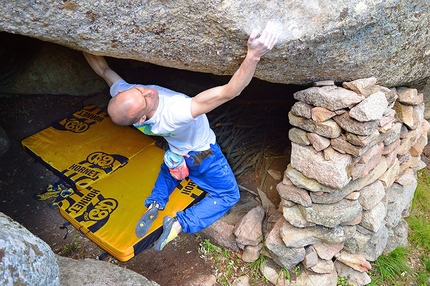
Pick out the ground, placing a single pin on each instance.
(21, 178)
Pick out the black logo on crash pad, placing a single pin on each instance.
(96, 165)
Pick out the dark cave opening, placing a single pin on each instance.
(252, 129)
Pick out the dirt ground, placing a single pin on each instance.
(21, 178)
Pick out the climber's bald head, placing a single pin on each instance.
(129, 107)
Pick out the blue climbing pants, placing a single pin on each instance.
(212, 174)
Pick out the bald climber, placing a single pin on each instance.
(182, 121)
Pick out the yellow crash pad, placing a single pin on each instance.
(86, 146)
(112, 170)
(107, 212)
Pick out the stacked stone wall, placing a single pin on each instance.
(355, 153)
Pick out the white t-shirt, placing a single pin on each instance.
(173, 120)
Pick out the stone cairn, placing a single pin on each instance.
(355, 154)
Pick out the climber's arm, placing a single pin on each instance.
(100, 66)
(214, 97)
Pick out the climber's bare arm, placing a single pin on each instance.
(100, 66)
(214, 97)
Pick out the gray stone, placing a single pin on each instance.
(327, 251)
(323, 83)
(374, 218)
(251, 253)
(298, 136)
(391, 174)
(328, 128)
(391, 148)
(409, 96)
(332, 173)
(353, 196)
(391, 157)
(25, 258)
(311, 279)
(323, 266)
(360, 170)
(271, 271)
(393, 134)
(294, 216)
(311, 257)
(376, 244)
(269, 208)
(390, 94)
(397, 236)
(372, 108)
(331, 215)
(405, 162)
(221, 233)
(301, 237)
(359, 140)
(320, 114)
(302, 109)
(355, 185)
(404, 131)
(318, 142)
(330, 198)
(407, 178)
(354, 277)
(387, 120)
(284, 256)
(301, 181)
(411, 115)
(249, 230)
(361, 86)
(211, 36)
(358, 242)
(399, 199)
(330, 97)
(356, 261)
(354, 126)
(341, 145)
(418, 147)
(371, 195)
(373, 175)
(96, 272)
(241, 281)
(417, 163)
(294, 194)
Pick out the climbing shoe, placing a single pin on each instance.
(48, 194)
(169, 233)
(63, 194)
(52, 191)
(146, 220)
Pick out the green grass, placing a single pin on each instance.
(418, 221)
(396, 268)
(284, 274)
(420, 232)
(254, 267)
(72, 247)
(228, 266)
(341, 281)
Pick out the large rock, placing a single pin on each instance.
(338, 40)
(24, 258)
(96, 272)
